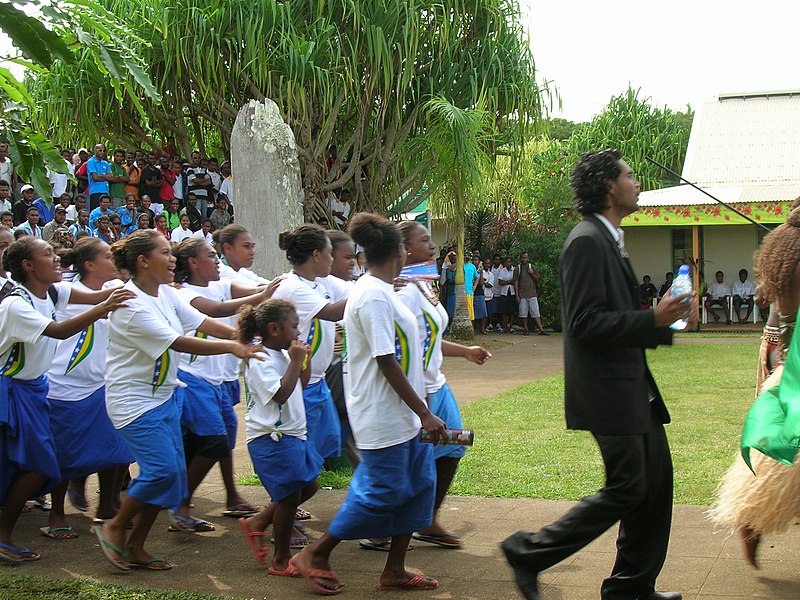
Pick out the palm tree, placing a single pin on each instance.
(456, 143)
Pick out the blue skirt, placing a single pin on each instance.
(26, 441)
(86, 441)
(322, 420)
(286, 466)
(479, 307)
(443, 404)
(231, 396)
(391, 493)
(156, 442)
(202, 406)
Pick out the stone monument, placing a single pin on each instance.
(267, 190)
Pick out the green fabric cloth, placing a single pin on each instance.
(772, 425)
(117, 190)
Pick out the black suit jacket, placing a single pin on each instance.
(608, 385)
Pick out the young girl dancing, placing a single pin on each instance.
(205, 436)
(28, 334)
(284, 460)
(141, 399)
(392, 491)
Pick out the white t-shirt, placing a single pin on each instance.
(431, 323)
(180, 234)
(245, 278)
(6, 170)
(378, 324)
(141, 368)
(718, 290)
(743, 289)
(508, 275)
(24, 352)
(263, 415)
(488, 292)
(156, 207)
(5, 206)
(310, 297)
(210, 239)
(58, 181)
(177, 187)
(79, 366)
(226, 187)
(207, 368)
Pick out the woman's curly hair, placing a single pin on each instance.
(778, 257)
(590, 179)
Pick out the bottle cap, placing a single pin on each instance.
(684, 270)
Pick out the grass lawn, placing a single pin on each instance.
(31, 587)
(523, 450)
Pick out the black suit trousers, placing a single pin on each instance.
(637, 493)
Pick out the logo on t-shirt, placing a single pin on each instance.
(161, 370)
(314, 336)
(431, 335)
(202, 336)
(16, 360)
(82, 349)
(401, 352)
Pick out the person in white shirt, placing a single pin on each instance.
(744, 293)
(431, 317)
(204, 233)
(508, 299)
(208, 420)
(28, 340)
(85, 440)
(6, 239)
(5, 196)
(392, 490)
(488, 293)
(142, 401)
(717, 295)
(309, 251)
(286, 462)
(183, 232)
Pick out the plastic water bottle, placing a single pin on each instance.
(681, 285)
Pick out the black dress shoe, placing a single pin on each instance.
(663, 596)
(526, 580)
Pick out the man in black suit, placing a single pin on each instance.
(609, 391)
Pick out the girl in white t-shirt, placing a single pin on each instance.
(307, 286)
(286, 463)
(181, 233)
(206, 436)
(392, 491)
(141, 391)
(423, 302)
(237, 251)
(86, 441)
(28, 334)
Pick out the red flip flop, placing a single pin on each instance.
(290, 571)
(417, 582)
(260, 552)
(311, 576)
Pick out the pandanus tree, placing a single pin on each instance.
(349, 75)
(48, 36)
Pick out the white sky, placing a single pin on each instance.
(677, 52)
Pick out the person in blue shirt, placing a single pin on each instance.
(98, 170)
(127, 215)
(103, 209)
(470, 277)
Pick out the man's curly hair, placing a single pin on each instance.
(778, 257)
(590, 179)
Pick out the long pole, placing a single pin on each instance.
(699, 189)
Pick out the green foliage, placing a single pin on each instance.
(32, 587)
(354, 74)
(559, 129)
(69, 33)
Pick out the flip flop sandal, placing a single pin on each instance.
(100, 521)
(445, 541)
(368, 544)
(311, 576)
(17, 555)
(43, 503)
(58, 533)
(302, 515)
(77, 500)
(188, 524)
(240, 510)
(109, 550)
(151, 564)
(417, 582)
(296, 543)
(289, 571)
(260, 552)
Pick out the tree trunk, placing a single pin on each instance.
(461, 327)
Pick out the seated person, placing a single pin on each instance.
(717, 295)
(648, 291)
(743, 295)
(665, 286)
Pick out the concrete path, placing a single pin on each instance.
(702, 563)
